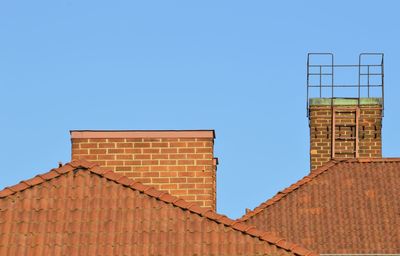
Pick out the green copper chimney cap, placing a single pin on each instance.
(344, 101)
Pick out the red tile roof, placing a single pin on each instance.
(347, 206)
(82, 209)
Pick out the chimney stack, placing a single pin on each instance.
(179, 162)
(345, 119)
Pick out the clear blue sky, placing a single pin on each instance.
(234, 66)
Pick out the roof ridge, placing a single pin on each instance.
(283, 193)
(372, 160)
(160, 195)
(40, 178)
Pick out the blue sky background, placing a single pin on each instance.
(238, 67)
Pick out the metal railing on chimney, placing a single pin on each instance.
(323, 78)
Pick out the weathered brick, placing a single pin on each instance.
(195, 168)
(177, 156)
(142, 145)
(141, 169)
(369, 133)
(204, 150)
(178, 168)
(133, 162)
(169, 186)
(196, 191)
(168, 174)
(106, 157)
(196, 144)
(204, 162)
(186, 174)
(151, 174)
(89, 157)
(160, 168)
(151, 150)
(169, 150)
(88, 145)
(179, 192)
(149, 162)
(186, 150)
(159, 144)
(167, 162)
(97, 140)
(195, 180)
(133, 150)
(178, 180)
(160, 180)
(114, 163)
(124, 157)
(79, 140)
(151, 139)
(125, 145)
(107, 145)
(80, 151)
(144, 156)
(115, 140)
(115, 151)
(177, 144)
(204, 174)
(124, 168)
(187, 185)
(185, 162)
(159, 156)
(133, 139)
(195, 156)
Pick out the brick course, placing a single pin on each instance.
(369, 133)
(184, 167)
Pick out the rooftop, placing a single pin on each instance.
(82, 209)
(342, 207)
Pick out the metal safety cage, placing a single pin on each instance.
(370, 76)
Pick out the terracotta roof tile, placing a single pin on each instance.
(65, 169)
(167, 197)
(139, 186)
(125, 181)
(194, 208)
(111, 175)
(345, 206)
(5, 192)
(50, 175)
(82, 199)
(154, 192)
(34, 181)
(286, 191)
(20, 186)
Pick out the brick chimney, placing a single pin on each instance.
(345, 107)
(179, 162)
(345, 130)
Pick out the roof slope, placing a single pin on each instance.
(348, 206)
(82, 209)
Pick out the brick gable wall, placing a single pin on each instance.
(180, 163)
